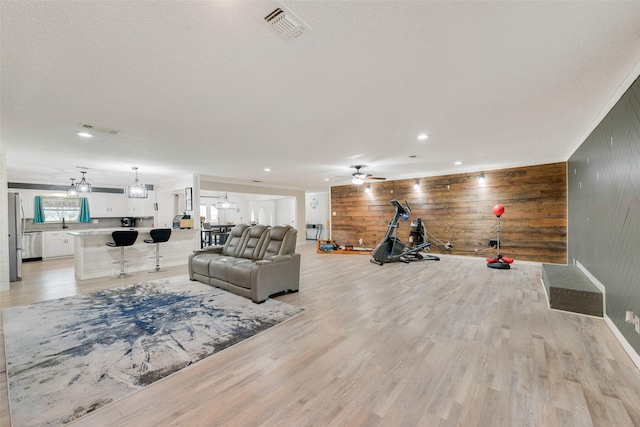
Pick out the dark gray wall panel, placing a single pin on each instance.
(604, 209)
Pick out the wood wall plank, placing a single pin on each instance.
(457, 209)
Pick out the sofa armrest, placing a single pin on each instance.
(274, 259)
(209, 249)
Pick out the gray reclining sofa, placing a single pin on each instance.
(256, 261)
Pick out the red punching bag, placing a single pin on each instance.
(498, 210)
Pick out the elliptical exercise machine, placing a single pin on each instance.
(392, 249)
(500, 262)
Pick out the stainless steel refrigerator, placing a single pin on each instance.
(16, 227)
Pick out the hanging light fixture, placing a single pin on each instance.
(358, 177)
(83, 186)
(226, 204)
(72, 191)
(136, 190)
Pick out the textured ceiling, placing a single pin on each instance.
(206, 87)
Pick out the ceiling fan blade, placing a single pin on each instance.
(376, 178)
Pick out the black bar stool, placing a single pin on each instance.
(122, 238)
(158, 235)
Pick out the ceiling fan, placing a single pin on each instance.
(358, 177)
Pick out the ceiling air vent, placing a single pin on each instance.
(286, 24)
(99, 129)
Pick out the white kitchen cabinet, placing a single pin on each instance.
(27, 202)
(105, 205)
(57, 244)
(141, 207)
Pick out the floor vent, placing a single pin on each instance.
(286, 24)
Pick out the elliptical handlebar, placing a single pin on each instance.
(402, 210)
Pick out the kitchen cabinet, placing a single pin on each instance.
(137, 208)
(57, 244)
(27, 202)
(105, 205)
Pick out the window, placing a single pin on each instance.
(58, 208)
(214, 215)
(210, 213)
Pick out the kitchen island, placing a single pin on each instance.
(93, 258)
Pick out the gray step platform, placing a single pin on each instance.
(569, 289)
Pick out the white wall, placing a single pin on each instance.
(317, 212)
(286, 213)
(4, 224)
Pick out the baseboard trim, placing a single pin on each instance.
(635, 357)
(633, 354)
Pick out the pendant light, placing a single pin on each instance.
(226, 204)
(72, 191)
(83, 186)
(136, 190)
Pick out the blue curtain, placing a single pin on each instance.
(38, 210)
(84, 216)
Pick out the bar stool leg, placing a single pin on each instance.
(157, 256)
(122, 261)
(157, 259)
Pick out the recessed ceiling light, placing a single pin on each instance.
(267, 169)
(85, 134)
(326, 179)
(458, 163)
(423, 136)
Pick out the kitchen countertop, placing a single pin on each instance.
(108, 231)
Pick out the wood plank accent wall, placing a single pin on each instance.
(457, 209)
(604, 209)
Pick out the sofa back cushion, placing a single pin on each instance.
(289, 242)
(235, 239)
(279, 241)
(251, 245)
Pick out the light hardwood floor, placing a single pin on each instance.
(448, 343)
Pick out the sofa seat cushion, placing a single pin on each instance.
(200, 263)
(218, 267)
(240, 274)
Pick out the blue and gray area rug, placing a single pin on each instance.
(71, 356)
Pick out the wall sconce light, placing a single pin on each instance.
(481, 179)
(367, 189)
(416, 185)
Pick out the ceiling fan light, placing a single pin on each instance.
(357, 180)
